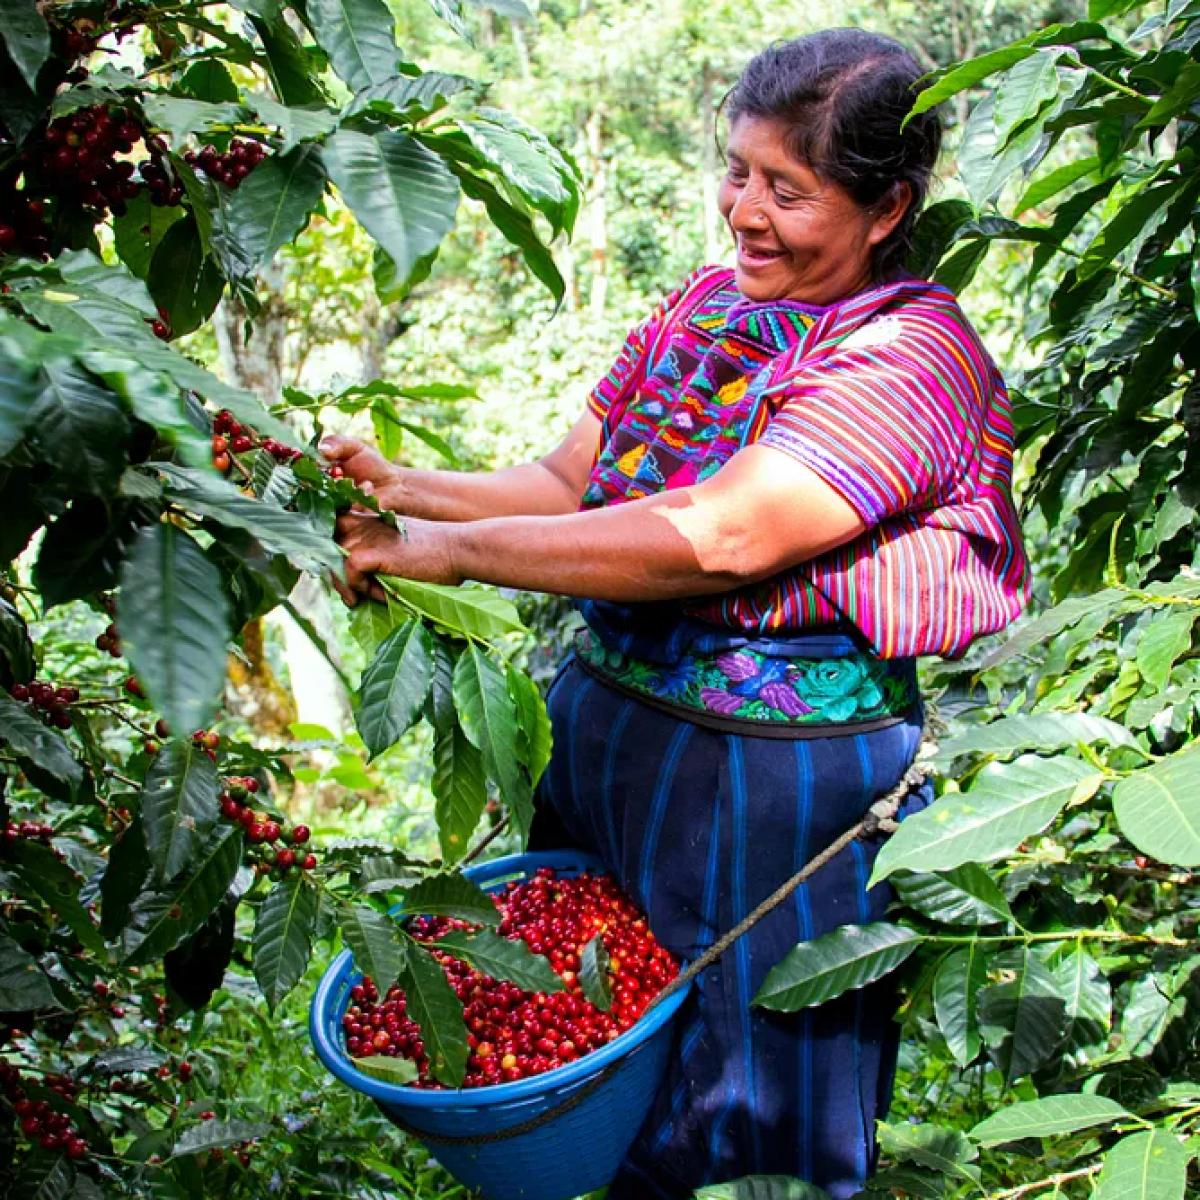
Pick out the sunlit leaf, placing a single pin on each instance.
(503, 958)
(1048, 1117)
(1158, 808)
(283, 933)
(439, 1013)
(179, 805)
(1144, 1166)
(394, 686)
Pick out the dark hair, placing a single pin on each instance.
(844, 94)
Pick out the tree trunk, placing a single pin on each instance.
(710, 216)
(598, 211)
(522, 49)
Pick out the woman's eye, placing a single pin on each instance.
(787, 197)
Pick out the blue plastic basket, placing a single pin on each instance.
(577, 1150)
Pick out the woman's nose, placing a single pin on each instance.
(747, 211)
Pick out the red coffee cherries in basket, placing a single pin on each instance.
(513, 1034)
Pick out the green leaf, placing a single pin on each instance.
(1008, 803)
(1178, 98)
(1158, 809)
(41, 873)
(1144, 1166)
(966, 895)
(16, 649)
(439, 1013)
(22, 983)
(1049, 1117)
(848, 957)
(283, 934)
(291, 68)
(1022, 1020)
(412, 95)
(593, 973)
(451, 12)
(274, 202)
(138, 231)
(123, 879)
(469, 612)
(1165, 639)
(26, 37)
(79, 427)
(394, 686)
(374, 941)
(159, 921)
(402, 192)
(179, 805)
(533, 722)
(459, 790)
(1110, 602)
(1033, 731)
(360, 38)
(763, 1187)
(946, 1151)
(184, 282)
(451, 895)
(956, 986)
(26, 734)
(217, 1135)
(1047, 186)
(295, 124)
(19, 390)
(209, 80)
(503, 958)
(1028, 88)
(282, 532)
(174, 620)
(489, 719)
(182, 117)
(1135, 214)
(370, 623)
(1088, 996)
(390, 1070)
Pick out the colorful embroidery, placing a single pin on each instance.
(752, 685)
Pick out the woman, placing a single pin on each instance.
(793, 481)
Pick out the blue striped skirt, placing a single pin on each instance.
(700, 825)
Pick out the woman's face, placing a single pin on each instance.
(798, 237)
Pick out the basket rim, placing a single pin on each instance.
(337, 1061)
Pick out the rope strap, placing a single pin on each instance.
(879, 818)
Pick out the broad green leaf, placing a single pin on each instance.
(1028, 87)
(956, 987)
(216, 1135)
(424, 93)
(124, 877)
(593, 973)
(26, 734)
(470, 612)
(1047, 186)
(19, 389)
(958, 269)
(283, 934)
(1158, 809)
(179, 805)
(374, 941)
(533, 722)
(288, 63)
(391, 1070)
(1048, 1117)
(16, 650)
(1165, 639)
(394, 686)
(966, 895)
(1144, 1166)
(403, 193)
(938, 227)
(763, 1187)
(848, 957)
(124, 1060)
(26, 37)
(295, 124)
(49, 1178)
(451, 12)
(79, 426)
(82, 550)
(370, 623)
(174, 620)
(503, 958)
(438, 1011)
(1135, 214)
(451, 895)
(41, 873)
(287, 533)
(182, 117)
(1033, 731)
(1088, 996)
(185, 283)
(360, 38)
(160, 920)
(459, 790)
(273, 203)
(1109, 601)
(209, 80)
(1008, 803)
(946, 1151)
(1180, 96)
(22, 983)
(489, 719)
(1022, 1020)
(985, 163)
(1155, 1020)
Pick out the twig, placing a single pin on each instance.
(487, 839)
(1026, 1189)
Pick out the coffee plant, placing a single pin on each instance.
(1047, 902)
(153, 160)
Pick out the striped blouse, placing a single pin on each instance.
(888, 396)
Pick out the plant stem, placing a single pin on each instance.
(1054, 1181)
(486, 840)
(1066, 935)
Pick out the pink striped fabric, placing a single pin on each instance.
(890, 398)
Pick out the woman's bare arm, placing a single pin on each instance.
(551, 486)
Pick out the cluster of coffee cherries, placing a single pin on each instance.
(513, 1034)
(38, 1119)
(110, 641)
(27, 831)
(50, 702)
(283, 848)
(231, 437)
(231, 167)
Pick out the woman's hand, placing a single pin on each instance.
(368, 468)
(415, 549)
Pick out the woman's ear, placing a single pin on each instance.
(890, 210)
